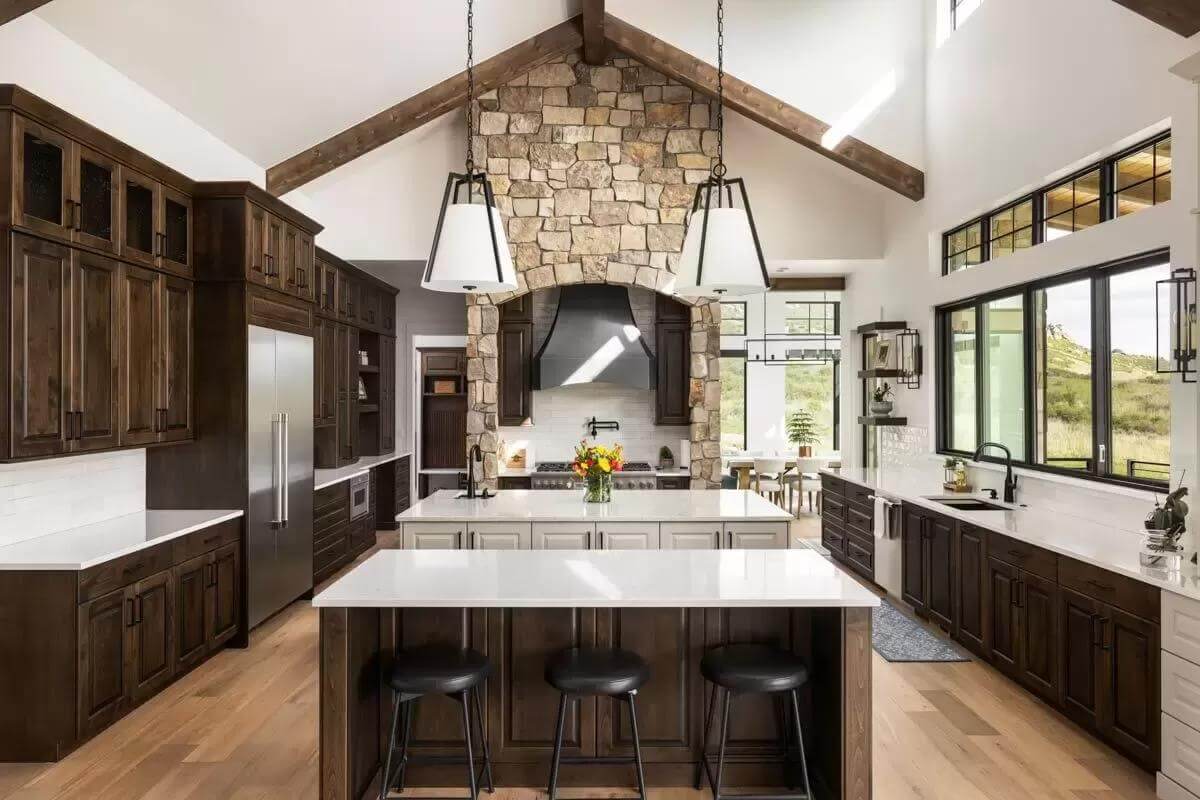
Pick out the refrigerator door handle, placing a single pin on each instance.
(285, 463)
(278, 470)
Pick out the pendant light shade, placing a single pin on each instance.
(470, 251)
(721, 254)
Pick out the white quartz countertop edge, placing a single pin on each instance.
(87, 546)
(323, 478)
(1080, 543)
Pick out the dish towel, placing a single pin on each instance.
(883, 517)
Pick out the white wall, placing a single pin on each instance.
(37, 57)
(1003, 117)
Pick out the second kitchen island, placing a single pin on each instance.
(687, 594)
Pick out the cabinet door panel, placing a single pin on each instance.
(499, 536)
(756, 535)
(971, 578)
(176, 360)
(41, 179)
(387, 394)
(95, 211)
(1038, 647)
(175, 245)
(289, 272)
(141, 349)
(673, 362)
(627, 535)
(1132, 699)
(256, 245)
(563, 535)
(273, 256)
(192, 612)
(913, 564)
(102, 692)
(225, 588)
(305, 267)
(141, 200)
(1002, 600)
(152, 650)
(1080, 687)
(41, 347)
(939, 570)
(515, 345)
(433, 535)
(95, 365)
(672, 640)
(690, 536)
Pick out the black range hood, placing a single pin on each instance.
(594, 339)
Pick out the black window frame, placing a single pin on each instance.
(741, 303)
(1101, 372)
(954, 4)
(828, 305)
(1114, 192)
(745, 391)
(1107, 200)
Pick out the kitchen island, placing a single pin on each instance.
(669, 605)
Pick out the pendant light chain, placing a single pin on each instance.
(470, 160)
(718, 169)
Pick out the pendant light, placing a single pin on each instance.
(470, 250)
(721, 253)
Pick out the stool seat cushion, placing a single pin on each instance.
(753, 668)
(437, 669)
(601, 671)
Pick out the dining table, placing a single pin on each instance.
(742, 467)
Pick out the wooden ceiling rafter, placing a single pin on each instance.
(422, 107)
(595, 45)
(11, 9)
(1180, 16)
(771, 112)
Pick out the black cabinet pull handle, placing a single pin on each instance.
(134, 567)
(1101, 586)
(1016, 554)
(1105, 640)
(130, 616)
(1097, 633)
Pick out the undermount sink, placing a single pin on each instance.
(967, 504)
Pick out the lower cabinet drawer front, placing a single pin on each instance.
(833, 507)
(331, 497)
(1139, 599)
(326, 538)
(861, 520)
(1023, 555)
(690, 535)
(499, 536)
(1181, 753)
(1181, 626)
(833, 539)
(1167, 789)
(434, 535)
(331, 518)
(120, 572)
(563, 535)
(756, 535)
(627, 535)
(832, 485)
(1180, 689)
(860, 557)
(331, 555)
(206, 540)
(859, 495)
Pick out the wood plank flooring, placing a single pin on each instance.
(244, 727)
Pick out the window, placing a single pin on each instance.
(1118, 186)
(964, 247)
(1143, 178)
(810, 318)
(960, 10)
(733, 400)
(814, 388)
(1072, 205)
(733, 319)
(1081, 348)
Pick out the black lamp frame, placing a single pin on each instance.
(1183, 298)
(721, 184)
(909, 338)
(454, 185)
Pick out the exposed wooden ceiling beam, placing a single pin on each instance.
(808, 284)
(595, 47)
(765, 109)
(1181, 16)
(421, 108)
(11, 9)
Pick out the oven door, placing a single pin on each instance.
(360, 498)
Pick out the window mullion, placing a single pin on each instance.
(1102, 377)
(980, 371)
(1029, 375)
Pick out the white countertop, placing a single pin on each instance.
(677, 472)
(1110, 548)
(328, 477)
(89, 545)
(634, 505)
(595, 579)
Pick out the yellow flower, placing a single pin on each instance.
(604, 464)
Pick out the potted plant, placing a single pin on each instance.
(666, 459)
(881, 402)
(803, 431)
(596, 464)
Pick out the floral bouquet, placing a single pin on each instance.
(596, 464)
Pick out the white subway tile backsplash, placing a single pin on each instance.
(40, 497)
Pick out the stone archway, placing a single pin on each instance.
(594, 169)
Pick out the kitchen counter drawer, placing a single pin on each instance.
(121, 572)
(1181, 626)
(326, 538)
(1140, 599)
(337, 495)
(1180, 682)
(833, 506)
(1181, 753)
(859, 495)
(860, 519)
(206, 540)
(1021, 554)
(329, 558)
(834, 538)
(860, 557)
(832, 485)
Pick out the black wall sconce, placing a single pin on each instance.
(1176, 297)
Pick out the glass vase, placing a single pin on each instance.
(599, 488)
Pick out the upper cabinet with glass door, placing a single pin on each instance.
(157, 224)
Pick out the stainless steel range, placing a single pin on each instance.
(558, 475)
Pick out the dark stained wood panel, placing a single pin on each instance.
(421, 108)
(96, 338)
(11, 9)
(141, 345)
(177, 359)
(515, 346)
(104, 654)
(1180, 16)
(764, 109)
(595, 47)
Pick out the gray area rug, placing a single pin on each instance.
(897, 637)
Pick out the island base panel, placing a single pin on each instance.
(519, 710)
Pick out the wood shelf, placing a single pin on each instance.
(368, 368)
(445, 394)
(885, 325)
(880, 373)
(368, 408)
(880, 421)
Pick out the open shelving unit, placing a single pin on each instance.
(901, 369)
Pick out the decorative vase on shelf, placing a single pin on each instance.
(599, 488)
(881, 408)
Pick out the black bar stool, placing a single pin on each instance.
(436, 670)
(751, 669)
(586, 673)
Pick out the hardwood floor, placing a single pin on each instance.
(243, 726)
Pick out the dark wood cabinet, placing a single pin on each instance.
(226, 589)
(515, 346)
(387, 394)
(1081, 678)
(672, 358)
(927, 552)
(103, 694)
(1037, 648)
(297, 265)
(96, 204)
(192, 612)
(1003, 595)
(41, 172)
(152, 646)
(912, 585)
(970, 581)
(141, 202)
(325, 372)
(175, 361)
(95, 349)
(175, 232)
(327, 298)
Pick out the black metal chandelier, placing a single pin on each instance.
(470, 251)
(721, 253)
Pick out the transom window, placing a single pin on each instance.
(733, 319)
(1064, 372)
(807, 317)
(1123, 184)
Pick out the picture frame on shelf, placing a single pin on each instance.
(883, 354)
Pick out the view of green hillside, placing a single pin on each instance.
(1141, 408)
(807, 386)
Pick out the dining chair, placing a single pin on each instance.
(767, 477)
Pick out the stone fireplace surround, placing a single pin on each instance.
(594, 169)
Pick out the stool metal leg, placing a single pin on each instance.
(466, 713)
(409, 710)
(487, 756)
(800, 740)
(716, 789)
(558, 737)
(387, 763)
(708, 719)
(637, 746)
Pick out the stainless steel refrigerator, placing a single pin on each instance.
(280, 441)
